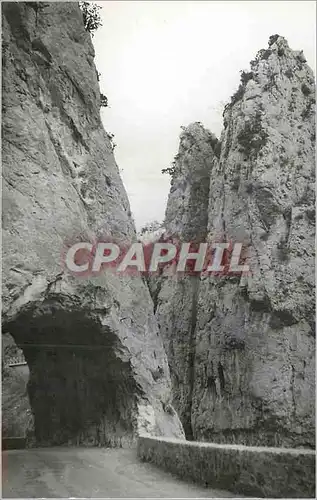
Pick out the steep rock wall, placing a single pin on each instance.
(175, 298)
(256, 341)
(253, 368)
(98, 370)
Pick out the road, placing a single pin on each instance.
(91, 473)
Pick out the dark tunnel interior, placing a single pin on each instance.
(80, 391)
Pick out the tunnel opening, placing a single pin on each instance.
(16, 421)
(81, 387)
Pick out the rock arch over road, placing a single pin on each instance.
(76, 381)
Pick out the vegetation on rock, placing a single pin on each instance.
(103, 101)
(91, 16)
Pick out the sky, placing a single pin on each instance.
(165, 64)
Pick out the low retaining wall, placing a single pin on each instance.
(14, 443)
(248, 470)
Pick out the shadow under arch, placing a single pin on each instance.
(81, 386)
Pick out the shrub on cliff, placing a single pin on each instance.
(273, 39)
(112, 143)
(169, 170)
(91, 16)
(238, 95)
(103, 101)
(172, 169)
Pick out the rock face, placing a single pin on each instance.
(175, 299)
(98, 370)
(252, 342)
(186, 214)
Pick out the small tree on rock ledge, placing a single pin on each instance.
(91, 16)
(103, 101)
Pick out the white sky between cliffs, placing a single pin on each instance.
(164, 64)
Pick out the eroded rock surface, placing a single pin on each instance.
(98, 370)
(252, 364)
(175, 298)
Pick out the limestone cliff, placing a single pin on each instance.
(98, 370)
(175, 298)
(252, 346)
